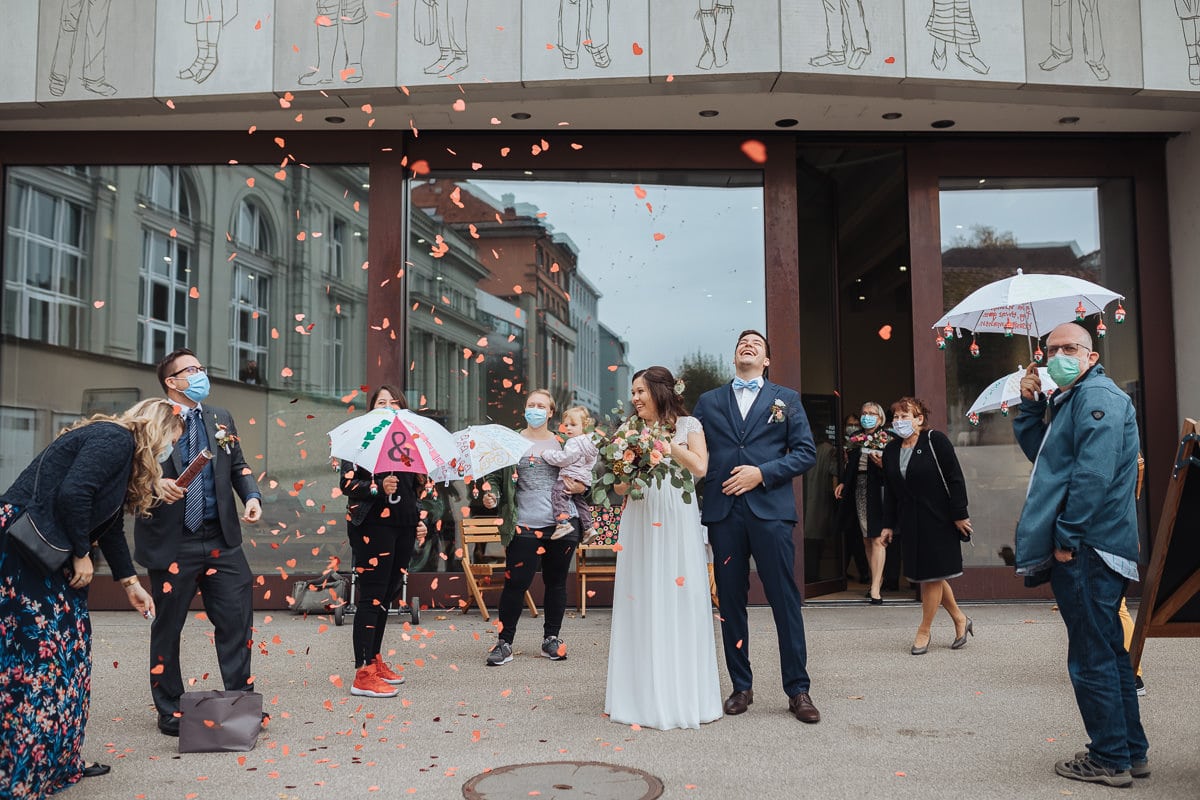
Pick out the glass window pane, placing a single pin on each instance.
(991, 228)
(40, 267)
(160, 302)
(41, 215)
(133, 337)
(39, 320)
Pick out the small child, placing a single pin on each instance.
(576, 460)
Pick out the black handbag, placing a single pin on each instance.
(35, 547)
(32, 545)
(219, 721)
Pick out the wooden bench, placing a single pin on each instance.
(480, 577)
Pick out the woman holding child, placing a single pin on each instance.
(662, 659)
(523, 497)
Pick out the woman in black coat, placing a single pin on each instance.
(76, 492)
(926, 498)
(861, 491)
(384, 524)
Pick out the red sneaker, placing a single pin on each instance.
(368, 684)
(386, 673)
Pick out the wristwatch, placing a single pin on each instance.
(130, 581)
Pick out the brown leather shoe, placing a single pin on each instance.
(802, 707)
(738, 702)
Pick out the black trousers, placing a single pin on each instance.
(381, 557)
(223, 578)
(522, 560)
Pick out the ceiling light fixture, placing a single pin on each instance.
(786, 123)
(709, 112)
(892, 115)
(522, 115)
(335, 120)
(942, 124)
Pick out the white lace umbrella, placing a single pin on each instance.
(396, 440)
(1027, 305)
(1006, 392)
(487, 448)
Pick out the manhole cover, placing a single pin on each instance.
(563, 780)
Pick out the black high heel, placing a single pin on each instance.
(94, 770)
(961, 641)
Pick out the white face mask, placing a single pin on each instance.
(903, 428)
(166, 454)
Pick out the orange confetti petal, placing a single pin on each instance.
(755, 150)
(637, 49)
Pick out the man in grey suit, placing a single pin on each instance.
(197, 543)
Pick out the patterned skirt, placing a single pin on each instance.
(952, 21)
(45, 676)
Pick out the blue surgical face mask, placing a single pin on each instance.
(1064, 369)
(903, 428)
(197, 388)
(536, 417)
(868, 421)
(166, 454)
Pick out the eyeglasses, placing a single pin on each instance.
(1066, 349)
(192, 370)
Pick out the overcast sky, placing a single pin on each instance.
(694, 290)
(1032, 215)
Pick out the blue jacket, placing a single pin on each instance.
(783, 450)
(1082, 488)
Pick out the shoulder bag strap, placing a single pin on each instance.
(938, 464)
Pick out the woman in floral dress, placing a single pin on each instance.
(77, 491)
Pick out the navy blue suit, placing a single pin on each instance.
(758, 523)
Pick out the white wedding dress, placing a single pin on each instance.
(662, 656)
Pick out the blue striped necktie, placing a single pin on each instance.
(193, 501)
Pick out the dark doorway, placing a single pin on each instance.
(856, 328)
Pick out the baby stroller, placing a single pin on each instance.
(350, 599)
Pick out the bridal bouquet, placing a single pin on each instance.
(873, 442)
(637, 454)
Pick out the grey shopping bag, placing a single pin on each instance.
(219, 722)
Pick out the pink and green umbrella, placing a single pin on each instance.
(396, 440)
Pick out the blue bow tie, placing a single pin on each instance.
(751, 384)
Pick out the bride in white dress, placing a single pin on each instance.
(662, 657)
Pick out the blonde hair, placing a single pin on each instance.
(585, 416)
(154, 424)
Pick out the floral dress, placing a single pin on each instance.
(45, 675)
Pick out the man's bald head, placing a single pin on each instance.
(1070, 332)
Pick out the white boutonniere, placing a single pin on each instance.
(778, 411)
(225, 439)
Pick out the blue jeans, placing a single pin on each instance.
(1089, 596)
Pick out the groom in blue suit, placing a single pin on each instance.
(758, 441)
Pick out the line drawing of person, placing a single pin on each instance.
(207, 17)
(444, 23)
(338, 21)
(95, 34)
(845, 30)
(583, 22)
(1189, 20)
(716, 19)
(952, 21)
(1062, 40)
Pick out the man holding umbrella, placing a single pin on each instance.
(1078, 530)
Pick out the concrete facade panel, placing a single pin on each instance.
(602, 41)
(335, 44)
(843, 37)
(18, 55)
(94, 50)
(214, 47)
(966, 40)
(1171, 46)
(459, 41)
(713, 38)
(1091, 43)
